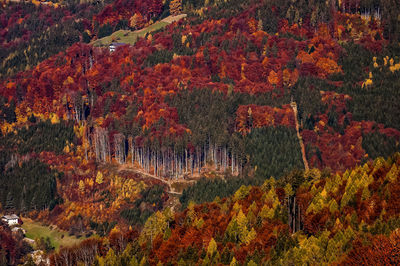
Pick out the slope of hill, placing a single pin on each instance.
(204, 98)
(130, 37)
(332, 219)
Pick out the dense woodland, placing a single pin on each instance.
(345, 218)
(205, 103)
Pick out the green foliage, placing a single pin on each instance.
(156, 224)
(284, 242)
(44, 244)
(241, 193)
(105, 30)
(29, 186)
(149, 202)
(41, 46)
(7, 110)
(205, 190)
(376, 144)
(379, 102)
(43, 136)
(158, 57)
(211, 115)
(102, 229)
(274, 151)
(307, 95)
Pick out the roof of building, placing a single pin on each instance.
(16, 229)
(10, 217)
(117, 44)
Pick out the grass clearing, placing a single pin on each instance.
(36, 230)
(127, 36)
(130, 37)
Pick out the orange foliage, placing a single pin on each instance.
(383, 251)
(262, 116)
(273, 78)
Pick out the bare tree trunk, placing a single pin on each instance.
(131, 148)
(101, 144)
(232, 162)
(119, 146)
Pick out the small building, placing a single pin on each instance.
(113, 46)
(10, 219)
(17, 229)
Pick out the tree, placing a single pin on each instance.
(111, 258)
(212, 247)
(99, 178)
(234, 262)
(9, 201)
(250, 236)
(105, 30)
(81, 186)
(175, 7)
(136, 21)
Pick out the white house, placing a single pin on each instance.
(10, 219)
(113, 46)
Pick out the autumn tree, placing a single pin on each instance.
(175, 7)
(99, 178)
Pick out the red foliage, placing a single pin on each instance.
(383, 251)
(315, 222)
(125, 9)
(255, 116)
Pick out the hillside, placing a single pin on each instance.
(130, 37)
(323, 218)
(193, 122)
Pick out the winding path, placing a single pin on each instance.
(169, 183)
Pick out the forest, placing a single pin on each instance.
(246, 133)
(335, 222)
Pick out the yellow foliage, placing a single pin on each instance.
(241, 219)
(99, 178)
(154, 225)
(314, 173)
(198, 223)
(367, 83)
(250, 236)
(54, 118)
(81, 186)
(66, 149)
(394, 68)
(243, 76)
(7, 127)
(234, 262)
(393, 174)
(288, 190)
(241, 193)
(324, 194)
(68, 81)
(212, 247)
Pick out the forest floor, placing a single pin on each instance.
(57, 237)
(130, 37)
